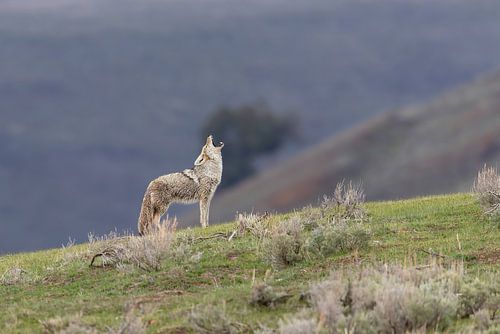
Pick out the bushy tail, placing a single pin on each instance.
(146, 215)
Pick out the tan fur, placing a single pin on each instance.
(197, 184)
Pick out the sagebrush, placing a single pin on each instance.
(206, 319)
(346, 202)
(284, 245)
(146, 252)
(394, 299)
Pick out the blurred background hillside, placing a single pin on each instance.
(99, 97)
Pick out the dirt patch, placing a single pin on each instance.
(157, 298)
(488, 256)
(233, 255)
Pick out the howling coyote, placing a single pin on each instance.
(191, 185)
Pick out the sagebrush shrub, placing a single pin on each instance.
(476, 294)
(387, 300)
(132, 321)
(72, 324)
(252, 223)
(13, 276)
(265, 295)
(298, 325)
(482, 320)
(146, 252)
(284, 243)
(487, 190)
(342, 226)
(205, 319)
(340, 235)
(346, 202)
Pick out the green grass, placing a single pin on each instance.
(403, 230)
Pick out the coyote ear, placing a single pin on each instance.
(201, 159)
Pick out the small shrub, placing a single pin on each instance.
(338, 236)
(482, 320)
(265, 295)
(346, 202)
(298, 325)
(487, 190)
(386, 300)
(478, 294)
(284, 244)
(132, 321)
(205, 319)
(13, 276)
(146, 252)
(252, 223)
(67, 325)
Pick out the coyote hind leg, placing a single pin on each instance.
(157, 214)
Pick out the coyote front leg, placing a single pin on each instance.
(204, 211)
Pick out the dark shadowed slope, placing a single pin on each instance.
(428, 149)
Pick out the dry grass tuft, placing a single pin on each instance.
(487, 190)
(72, 324)
(346, 202)
(132, 323)
(146, 252)
(298, 325)
(13, 276)
(253, 223)
(207, 319)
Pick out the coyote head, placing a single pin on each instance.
(209, 152)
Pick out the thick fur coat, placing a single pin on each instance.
(197, 184)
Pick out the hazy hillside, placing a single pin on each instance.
(98, 97)
(428, 149)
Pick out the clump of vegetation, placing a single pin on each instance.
(487, 190)
(284, 244)
(12, 276)
(343, 226)
(252, 223)
(206, 319)
(298, 325)
(72, 324)
(264, 294)
(390, 300)
(476, 295)
(132, 321)
(146, 252)
(338, 236)
(340, 226)
(346, 202)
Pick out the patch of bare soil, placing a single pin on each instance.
(488, 256)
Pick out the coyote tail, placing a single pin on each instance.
(146, 215)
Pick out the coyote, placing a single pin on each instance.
(189, 186)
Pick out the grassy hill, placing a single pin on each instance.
(423, 149)
(96, 97)
(204, 268)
